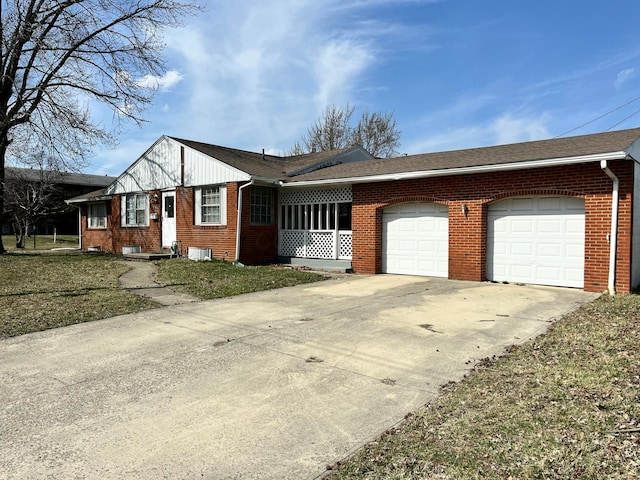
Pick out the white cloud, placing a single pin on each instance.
(257, 74)
(510, 129)
(506, 128)
(163, 83)
(624, 76)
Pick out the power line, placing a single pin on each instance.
(624, 120)
(602, 116)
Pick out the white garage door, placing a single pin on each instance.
(537, 240)
(415, 239)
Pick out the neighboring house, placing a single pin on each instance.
(66, 184)
(561, 212)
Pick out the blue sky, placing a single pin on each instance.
(254, 74)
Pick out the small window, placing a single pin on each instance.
(135, 209)
(210, 205)
(262, 205)
(97, 215)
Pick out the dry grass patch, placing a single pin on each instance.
(566, 405)
(41, 291)
(217, 278)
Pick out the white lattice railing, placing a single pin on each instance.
(327, 244)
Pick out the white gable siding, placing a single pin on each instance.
(159, 168)
(156, 169)
(200, 169)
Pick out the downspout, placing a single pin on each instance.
(613, 235)
(237, 260)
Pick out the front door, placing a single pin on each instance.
(168, 218)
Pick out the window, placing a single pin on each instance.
(262, 205)
(316, 216)
(344, 216)
(135, 209)
(210, 205)
(97, 215)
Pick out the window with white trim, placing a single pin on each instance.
(97, 215)
(262, 205)
(135, 210)
(210, 205)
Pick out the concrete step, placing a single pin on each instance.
(343, 266)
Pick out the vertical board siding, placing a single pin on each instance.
(200, 169)
(157, 169)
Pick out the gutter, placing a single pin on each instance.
(239, 226)
(613, 235)
(254, 181)
(552, 162)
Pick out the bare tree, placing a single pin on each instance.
(58, 56)
(376, 132)
(31, 195)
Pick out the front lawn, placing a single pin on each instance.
(43, 289)
(39, 291)
(216, 279)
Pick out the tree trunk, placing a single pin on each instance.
(3, 152)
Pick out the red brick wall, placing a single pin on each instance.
(467, 233)
(220, 238)
(115, 236)
(258, 243)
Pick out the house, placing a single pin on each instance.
(560, 212)
(60, 186)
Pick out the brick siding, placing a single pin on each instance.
(258, 244)
(468, 233)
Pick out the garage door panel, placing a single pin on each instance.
(536, 240)
(550, 250)
(415, 239)
(519, 226)
(551, 225)
(546, 204)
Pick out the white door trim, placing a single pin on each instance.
(168, 218)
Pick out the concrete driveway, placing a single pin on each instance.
(270, 385)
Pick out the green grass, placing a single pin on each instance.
(43, 242)
(566, 405)
(216, 279)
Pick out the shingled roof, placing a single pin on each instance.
(60, 178)
(569, 147)
(266, 166)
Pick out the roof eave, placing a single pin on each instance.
(74, 201)
(551, 162)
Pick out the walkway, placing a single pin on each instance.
(141, 280)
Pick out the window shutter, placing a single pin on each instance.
(223, 204)
(123, 210)
(198, 205)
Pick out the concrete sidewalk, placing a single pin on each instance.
(141, 280)
(275, 384)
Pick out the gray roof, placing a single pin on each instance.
(578, 146)
(62, 178)
(272, 166)
(354, 163)
(95, 196)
